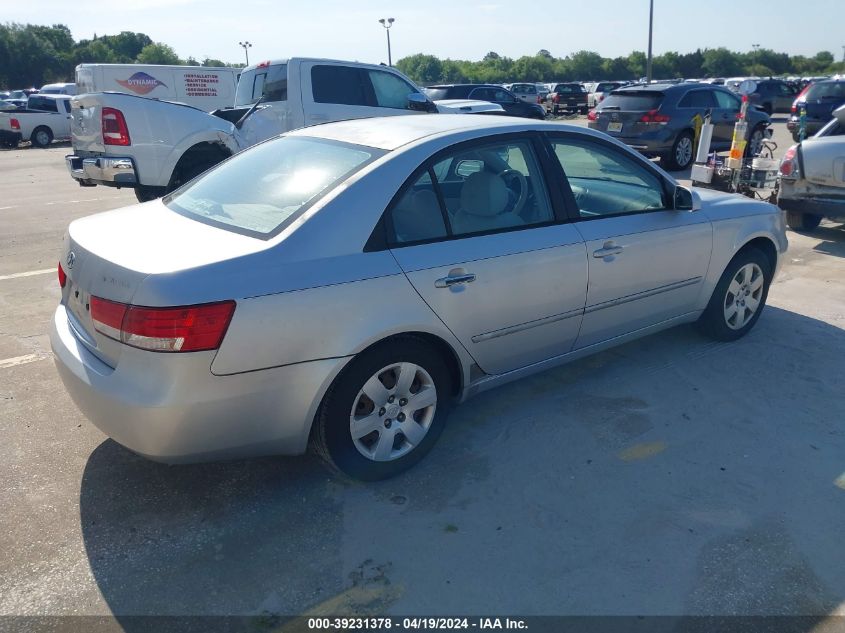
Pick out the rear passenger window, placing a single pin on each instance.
(481, 189)
(338, 84)
(605, 182)
(698, 99)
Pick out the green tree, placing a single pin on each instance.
(424, 69)
(720, 62)
(158, 53)
(585, 65)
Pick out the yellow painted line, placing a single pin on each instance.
(29, 273)
(5, 363)
(367, 601)
(839, 482)
(642, 451)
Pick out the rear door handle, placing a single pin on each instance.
(452, 280)
(608, 250)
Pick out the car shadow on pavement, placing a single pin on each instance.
(713, 461)
(832, 239)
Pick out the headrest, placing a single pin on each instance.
(484, 194)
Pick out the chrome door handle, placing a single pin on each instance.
(446, 282)
(607, 251)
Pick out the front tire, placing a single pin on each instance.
(681, 155)
(739, 297)
(802, 222)
(384, 411)
(41, 137)
(755, 142)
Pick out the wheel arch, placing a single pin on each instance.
(205, 151)
(764, 244)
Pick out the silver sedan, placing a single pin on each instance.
(343, 286)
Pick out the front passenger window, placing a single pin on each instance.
(390, 90)
(605, 182)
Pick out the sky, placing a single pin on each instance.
(459, 29)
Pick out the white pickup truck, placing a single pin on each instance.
(154, 147)
(811, 185)
(46, 118)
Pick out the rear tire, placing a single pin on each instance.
(802, 222)
(41, 137)
(681, 155)
(347, 403)
(739, 297)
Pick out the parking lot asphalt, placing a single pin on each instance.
(669, 476)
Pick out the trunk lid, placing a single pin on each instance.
(823, 161)
(620, 112)
(109, 255)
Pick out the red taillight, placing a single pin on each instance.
(115, 131)
(182, 329)
(591, 115)
(601, 98)
(62, 276)
(556, 98)
(653, 116)
(539, 99)
(789, 163)
(16, 125)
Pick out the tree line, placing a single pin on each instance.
(33, 55)
(589, 65)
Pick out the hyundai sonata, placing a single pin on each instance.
(342, 286)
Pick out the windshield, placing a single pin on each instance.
(270, 82)
(258, 192)
(636, 101)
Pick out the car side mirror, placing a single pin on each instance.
(686, 199)
(420, 103)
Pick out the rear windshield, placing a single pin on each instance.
(271, 82)
(606, 86)
(827, 90)
(261, 190)
(632, 101)
(569, 88)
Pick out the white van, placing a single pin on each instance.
(58, 89)
(198, 86)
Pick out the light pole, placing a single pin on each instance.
(650, 26)
(387, 24)
(246, 45)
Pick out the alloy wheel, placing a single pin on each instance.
(683, 151)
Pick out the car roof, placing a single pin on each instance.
(390, 133)
(467, 86)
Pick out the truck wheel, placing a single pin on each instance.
(798, 221)
(144, 193)
(41, 136)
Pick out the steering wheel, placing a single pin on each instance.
(523, 187)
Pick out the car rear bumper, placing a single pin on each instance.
(825, 207)
(810, 127)
(171, 408)
(10, 138)
(112, 171)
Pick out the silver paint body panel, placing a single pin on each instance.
(312, 297)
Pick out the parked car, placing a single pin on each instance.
(567, 97)
(658, 120)
(58, 89)
(45, 119)
(509, 102)
(597, 91)
(773, 95)
(812, 177)
(8, 105)
(542, 92)
(524, 92)
(194, 327)
(819, 100)
(154, 147)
